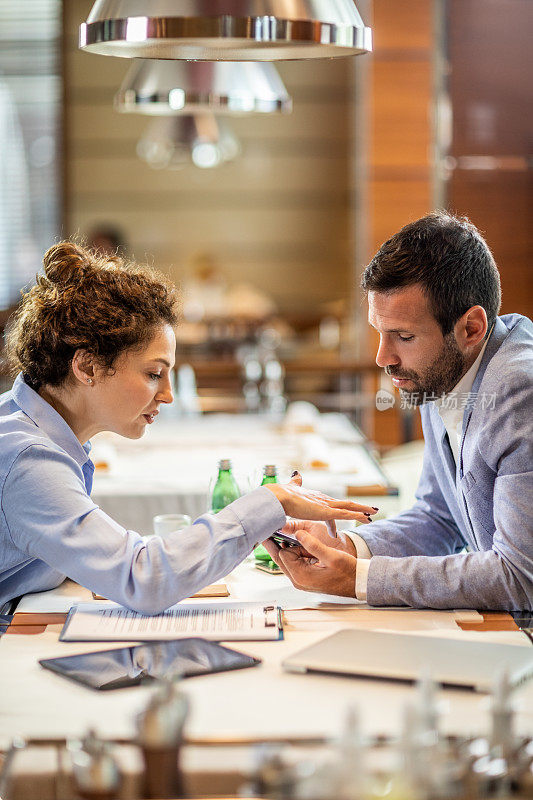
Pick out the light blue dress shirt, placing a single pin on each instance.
(51, 529)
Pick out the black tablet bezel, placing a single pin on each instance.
(53, 664)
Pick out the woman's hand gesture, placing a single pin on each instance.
(308, 504)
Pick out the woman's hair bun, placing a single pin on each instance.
(64, 263)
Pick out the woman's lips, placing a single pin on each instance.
(150, 417)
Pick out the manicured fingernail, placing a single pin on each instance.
(375, 509)
(297, 473)
(368, 515)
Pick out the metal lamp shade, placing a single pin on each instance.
(174, 143)
(225, 30)
(170, 87)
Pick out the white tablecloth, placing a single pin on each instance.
(172, 468)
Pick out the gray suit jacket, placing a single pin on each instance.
(485, 502)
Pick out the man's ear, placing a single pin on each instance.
(83, 367)
(471, 328)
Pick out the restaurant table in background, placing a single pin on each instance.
(170, 470)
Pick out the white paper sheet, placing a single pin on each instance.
(97, 622)
(54, 601)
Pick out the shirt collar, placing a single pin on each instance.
(48, 419)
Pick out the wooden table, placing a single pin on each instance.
(231, 711)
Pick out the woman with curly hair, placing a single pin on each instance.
(93, 345)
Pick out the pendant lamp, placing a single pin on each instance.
(176, 142)
(171, 87)
(225, 30)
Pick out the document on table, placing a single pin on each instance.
(109, 622)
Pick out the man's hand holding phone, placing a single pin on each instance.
(313, 554)
(320, 562)
(323, 532)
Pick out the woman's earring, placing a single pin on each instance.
(90, 381)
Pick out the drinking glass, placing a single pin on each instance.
(166, 523)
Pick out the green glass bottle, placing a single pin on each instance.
(226, 489)
(269, 476)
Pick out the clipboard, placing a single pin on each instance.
(224, 621)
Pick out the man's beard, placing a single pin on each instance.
(438, 378)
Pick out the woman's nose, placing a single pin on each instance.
(165, 394)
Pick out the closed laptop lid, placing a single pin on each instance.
(405, 657)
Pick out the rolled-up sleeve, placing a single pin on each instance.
(50, 516)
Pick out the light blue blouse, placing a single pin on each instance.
(51, 529)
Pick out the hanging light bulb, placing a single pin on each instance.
(225, 30)
(171, 87)
(176, 142)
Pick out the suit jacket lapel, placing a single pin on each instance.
(466, 422)
(496, 339)
(444, 442)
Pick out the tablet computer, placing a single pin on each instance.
(131, 666)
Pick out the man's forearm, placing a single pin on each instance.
(482, 580)
(417, 531)
(413, 532)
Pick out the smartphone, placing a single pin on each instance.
(131, 666)
(287, 539)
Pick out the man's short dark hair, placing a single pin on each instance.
(448, 258)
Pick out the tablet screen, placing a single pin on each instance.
(130, 666)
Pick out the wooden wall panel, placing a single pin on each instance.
(490, 77)
(328, 121)
(401, 134)
(251, 224)
(257, 172)
(395, 203)
(500, 203)
(400, 142)
(402, 25)
(490, 93)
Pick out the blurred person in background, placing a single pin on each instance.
(106, 240)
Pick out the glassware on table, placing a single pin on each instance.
(261, 555)
(167, 523)
(225, 490)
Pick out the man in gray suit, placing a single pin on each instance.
(434, 294)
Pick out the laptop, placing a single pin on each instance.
(405, 657)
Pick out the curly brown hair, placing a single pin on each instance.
(84, 301)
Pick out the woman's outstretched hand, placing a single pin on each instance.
(308, 504)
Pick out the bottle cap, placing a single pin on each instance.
(270, 471)
(224, 463)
